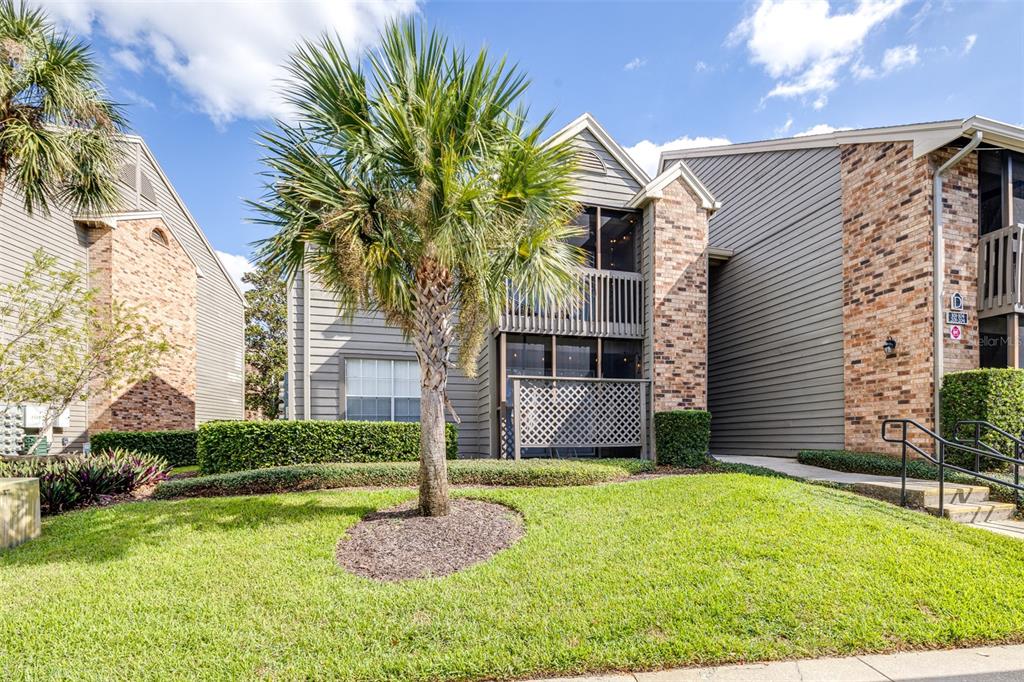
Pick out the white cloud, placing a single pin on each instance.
(635, 63)
(803, 45)
(226, 56)
(782, 130)
(647, 153)
(899, 57)
(701, 66)
(139, 100)
(820, 102)
(127, 59)
(862, 71)
(969, 42)
(236, 266)
(820, 129)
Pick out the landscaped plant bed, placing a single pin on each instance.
(391, 474)
(400, 544)
(680, 570)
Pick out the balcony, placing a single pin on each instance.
(612, 305)
(999, 272)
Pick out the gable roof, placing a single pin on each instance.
(148, 153)
(678, 170)
(587, 122)
(926, 137)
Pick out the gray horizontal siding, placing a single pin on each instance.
(614, 188)
(220, 317)
(775, 321)
(334, 339)
(220, 313)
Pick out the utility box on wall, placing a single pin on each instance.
(19, 511)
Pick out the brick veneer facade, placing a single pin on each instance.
(128, 265)
(887, 288)
(680, 297)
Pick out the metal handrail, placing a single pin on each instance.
(977, 442)
(940, 458)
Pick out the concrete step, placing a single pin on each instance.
(921, 494)
(975, 512)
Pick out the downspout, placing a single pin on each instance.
(938, 273)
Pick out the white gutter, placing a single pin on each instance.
(938, 273)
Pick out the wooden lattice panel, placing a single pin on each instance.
(579, 413)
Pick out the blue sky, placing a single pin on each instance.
(199, 78)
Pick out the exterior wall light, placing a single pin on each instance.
(889, 347)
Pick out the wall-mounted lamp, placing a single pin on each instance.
(889, 347)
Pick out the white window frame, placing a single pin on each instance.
(393, 391)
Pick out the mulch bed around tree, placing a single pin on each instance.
(399, 544)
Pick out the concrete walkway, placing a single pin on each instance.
(984, 664)
(791, 467)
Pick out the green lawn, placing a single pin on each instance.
(672, 571)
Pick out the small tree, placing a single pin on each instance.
(266, 341)
(419, 190)
(57, 342)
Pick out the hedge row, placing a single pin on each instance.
(237, 446)
(682, 437)
(993, 395)
(177, 448)
(884, 465)
(345, 475)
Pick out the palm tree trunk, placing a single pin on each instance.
(432, 339)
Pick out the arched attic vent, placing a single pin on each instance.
(589, 162)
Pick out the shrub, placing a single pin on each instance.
(884, 465)
(238, 446)
(177, 448)
(69, 482)
(992, 395)
(526, 473)
(682, 437)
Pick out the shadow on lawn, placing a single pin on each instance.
(98, 535)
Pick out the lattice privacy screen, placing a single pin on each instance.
(578, 413)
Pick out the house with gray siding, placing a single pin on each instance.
(149, 254)
(788, 286)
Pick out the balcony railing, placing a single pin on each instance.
(999, 271)
(612, 305)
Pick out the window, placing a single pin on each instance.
(575, 357)
(382, 390)
(586, 223)
(609, 238)
(618, 246)
(620, 359)
(158, 236)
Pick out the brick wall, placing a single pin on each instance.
(159, 280)
(680, 293)
(887, 269)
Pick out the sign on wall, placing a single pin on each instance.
(956, 318)
(955, 332)
(956, 301)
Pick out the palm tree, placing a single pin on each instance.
(58, 132)
(417, 189)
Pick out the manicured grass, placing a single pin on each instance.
(671, 571)
(190, 469)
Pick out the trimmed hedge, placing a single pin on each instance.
(682, 437)
(884, 465)
(992, 395)
(241, 445)
(178, 448)
(547, 473)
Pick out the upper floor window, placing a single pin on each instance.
(1000, 190)
(610, 238)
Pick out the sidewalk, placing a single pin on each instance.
(791, 467)
(984, 664)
